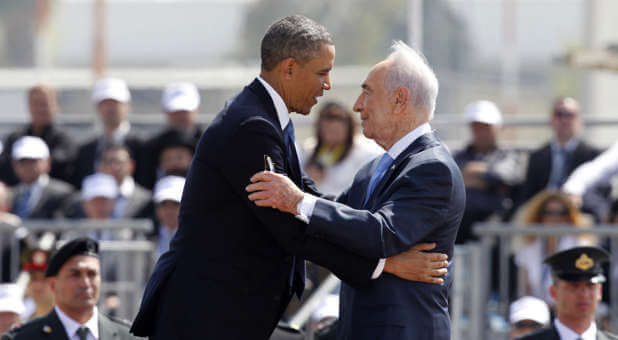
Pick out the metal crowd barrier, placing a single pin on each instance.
(126, 256)
(504, 233)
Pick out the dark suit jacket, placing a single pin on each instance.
(62, 150)
(50, 327)
(551, 334)
(228, 271)
(539, 166)
(90, 152)
(52, 200)
(421, 198)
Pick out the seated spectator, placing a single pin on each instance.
(99, 192)
(38, 298)
(167, 195)
(133, 200)
(526, 315)
(490, 173)
(550, 165)
(111, 98)
(11, 306)
(546, 208)
(181, 103)
(43, 109)
(176, 154)
(336, 152)
(37, 196)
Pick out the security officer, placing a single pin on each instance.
(73, 274)
(576, 290)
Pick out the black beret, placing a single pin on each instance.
(579, 264)
(78, 246)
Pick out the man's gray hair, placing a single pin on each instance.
(295, 37)
(409, 69)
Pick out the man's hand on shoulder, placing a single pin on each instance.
(415, 264)
(268, 189)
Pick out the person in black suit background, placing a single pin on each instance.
(73, 274)
(43, 108)
(550, 165)
(413, 193)
(37, 196)
(232, 267)
(112, 99)
(576, 289)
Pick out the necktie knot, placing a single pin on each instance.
(82, 333)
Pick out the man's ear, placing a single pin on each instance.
(287, 67)
(552, 291)
(401, 97)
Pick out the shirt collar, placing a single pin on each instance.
(280, 107)
(119, 135)
(408, 139)
(568, 334)
(127, 187)
(569, 146)
(71, 326)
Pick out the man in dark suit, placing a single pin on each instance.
(413, 193)
(232, 267)
(112, 99)
(576, 290)
(74, 276)
(43, 109)
(549, 166)
(37, 196)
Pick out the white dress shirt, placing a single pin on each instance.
(568, 334)
(593, 173)
(71, 326)
(306, 205)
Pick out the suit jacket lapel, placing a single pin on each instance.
(53, 327)
(292, 166)
(421, 143)
(107, 329)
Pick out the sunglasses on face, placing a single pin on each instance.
(563, 114)
(554, 212)
(527, 324)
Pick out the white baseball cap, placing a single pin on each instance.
(30, 147)
(11, 298)
(111, 88)
(483, 111)
(99, 185)
(529, 308)
(169, 188)
(180, 97)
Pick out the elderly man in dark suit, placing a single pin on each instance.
(74, 276)
(413, 193)
(576, 290)
(232, 267)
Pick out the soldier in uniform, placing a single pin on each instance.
(74, 275)
(576, 290)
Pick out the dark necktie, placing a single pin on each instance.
(82, 333)
(21, 208)
(298, 264)
(379, 172)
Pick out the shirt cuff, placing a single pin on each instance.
(379, 268)
(305, 208)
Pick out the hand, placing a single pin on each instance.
(473, 174)
(416, 265)
(269, 189)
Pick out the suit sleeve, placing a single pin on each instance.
(245, 157)
(419, 204)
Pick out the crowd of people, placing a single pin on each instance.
(45, 174)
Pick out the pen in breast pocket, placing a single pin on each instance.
(268, 164)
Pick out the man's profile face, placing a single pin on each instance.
(374, 105)
(76, 287)
(575, 300)
(309, 80)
